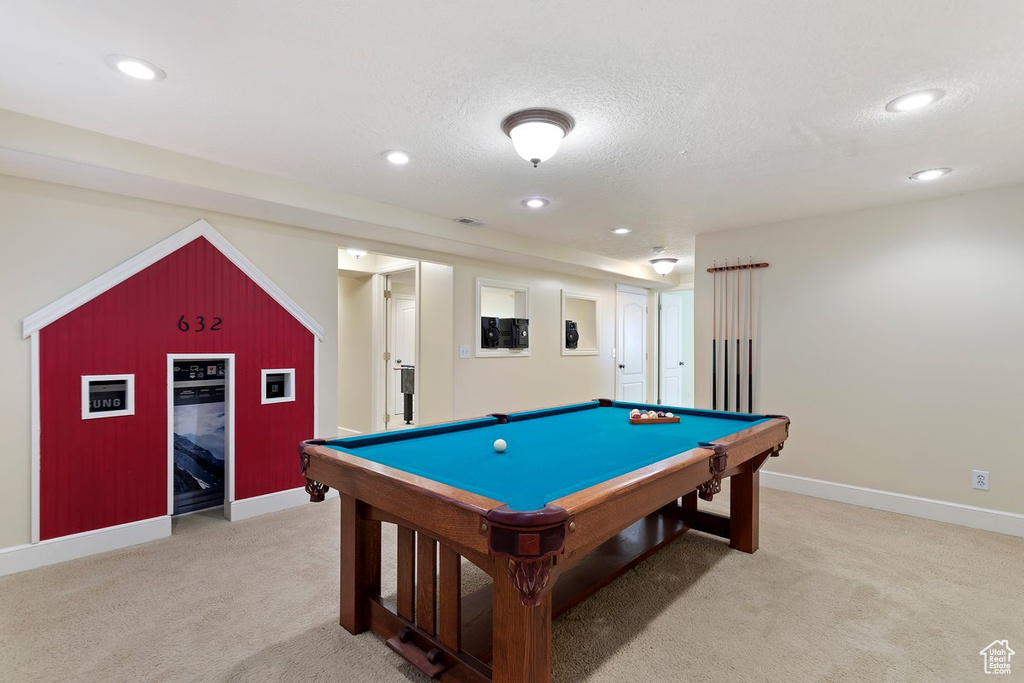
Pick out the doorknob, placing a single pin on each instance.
(621, 366)
(680, 362)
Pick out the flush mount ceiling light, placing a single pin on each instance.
(537, 133)
(664, 265)
(356, 252)
(136, 68)
(621, 231)
(536, 202)
(915, 100)
(396, 157)
(930, 174)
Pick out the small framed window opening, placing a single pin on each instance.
(107, 396)
(278, 385)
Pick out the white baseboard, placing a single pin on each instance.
(345, 431)
(271, 502)
(33, 555)
(938, 510)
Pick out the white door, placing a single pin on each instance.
(402, 343)
(677, 348)
(631, 352)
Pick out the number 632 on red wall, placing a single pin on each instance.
(200, 324)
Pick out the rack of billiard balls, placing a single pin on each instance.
(650, 417)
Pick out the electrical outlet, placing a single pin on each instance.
(980, 480)
(464, 351)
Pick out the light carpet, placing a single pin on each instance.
(836, 593)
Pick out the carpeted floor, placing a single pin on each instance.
(836, 593)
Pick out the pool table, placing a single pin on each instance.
(579, 496)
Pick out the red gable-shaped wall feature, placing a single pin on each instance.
(97, 473)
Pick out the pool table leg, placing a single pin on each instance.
(522, 635)
(744, 504)
(360, 563)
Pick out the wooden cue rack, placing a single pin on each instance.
(743, 266)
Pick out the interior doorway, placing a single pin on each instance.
(631, 349)
(675, 348)
(200, 427)
(400, 348)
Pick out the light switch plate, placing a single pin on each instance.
(464, 351)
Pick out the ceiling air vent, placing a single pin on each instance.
(468, 221)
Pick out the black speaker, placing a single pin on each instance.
(572, 335)
(490, 337)
(515, 333)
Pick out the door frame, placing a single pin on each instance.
(229, 425)
(378, 341)
(631, 289)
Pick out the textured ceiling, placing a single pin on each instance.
(690, 115)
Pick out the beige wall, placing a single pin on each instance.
(435, 387)
(355, 343)
(894, 339)
(545, 377)
(56, 238)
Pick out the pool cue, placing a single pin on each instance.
(750, 337)
(725, 321)
(714, 336)
(739, 360)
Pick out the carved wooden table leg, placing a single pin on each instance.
(522, 633)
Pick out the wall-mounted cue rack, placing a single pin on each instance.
(727, 324)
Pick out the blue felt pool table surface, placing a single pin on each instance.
(551, 453)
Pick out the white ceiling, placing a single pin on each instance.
(690, 115)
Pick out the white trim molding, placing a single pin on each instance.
(229, 422)
(36, 436)
(986, 519)
(34, 555)
(129, 396)
(140, 262)
(271, 502)
(289, 384)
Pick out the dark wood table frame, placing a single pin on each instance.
(541, 562)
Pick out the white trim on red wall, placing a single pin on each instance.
(270, 502)
(229, 426)
(36, 433)
(51, 551)
(140, 262)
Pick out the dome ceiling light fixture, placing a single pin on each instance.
(537, 133)
(664, 265)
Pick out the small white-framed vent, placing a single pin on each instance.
(465, 220)
(107, 396)
(278, 385)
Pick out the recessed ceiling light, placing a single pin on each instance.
(356, 252)
(136, 68)
(536, 202)
(621, 231)
(915, 100)
(396, 157)
(930, 174)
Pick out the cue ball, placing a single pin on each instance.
(500, 445)
(669, 415)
